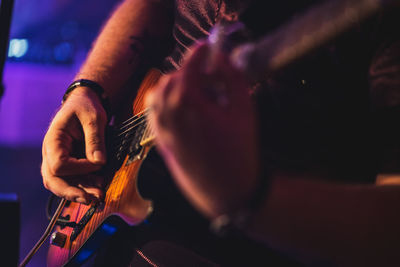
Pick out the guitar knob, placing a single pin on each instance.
(58, 239)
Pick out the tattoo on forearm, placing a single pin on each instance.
(137, 46)
(145, 47)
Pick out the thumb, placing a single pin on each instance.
(93, 129)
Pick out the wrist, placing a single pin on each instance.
(238, 220)
(89, 87)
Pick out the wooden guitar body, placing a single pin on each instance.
(123, 205)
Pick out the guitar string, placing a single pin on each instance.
(131, 126)
(122, 144)
(118, 140)
(121, 140)
(132, 119)
(124, 140)
(129, 120)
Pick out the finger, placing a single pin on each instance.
(91, 183)
(62, 188)
(93, 125)
(95, 192)
(57, 157)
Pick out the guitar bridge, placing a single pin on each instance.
(82, 223)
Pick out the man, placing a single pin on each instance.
(309, 219)
(136, 35)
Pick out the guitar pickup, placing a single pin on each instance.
(82, 223)
(65, 222)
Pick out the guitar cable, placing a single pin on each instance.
(45, 235)
(61, 221)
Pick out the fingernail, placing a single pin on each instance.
(96, 196)
(81, 200)
(99, 156)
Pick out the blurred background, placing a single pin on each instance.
(48, 42)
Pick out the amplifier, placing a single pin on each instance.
(10, 226)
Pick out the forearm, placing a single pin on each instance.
(121, 46)
(321, 221)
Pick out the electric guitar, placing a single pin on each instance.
(89, 226)
(122, 203)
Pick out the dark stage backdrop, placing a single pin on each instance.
(48, 41)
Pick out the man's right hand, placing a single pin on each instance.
(74, 148)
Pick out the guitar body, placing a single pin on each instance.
(123, 205)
